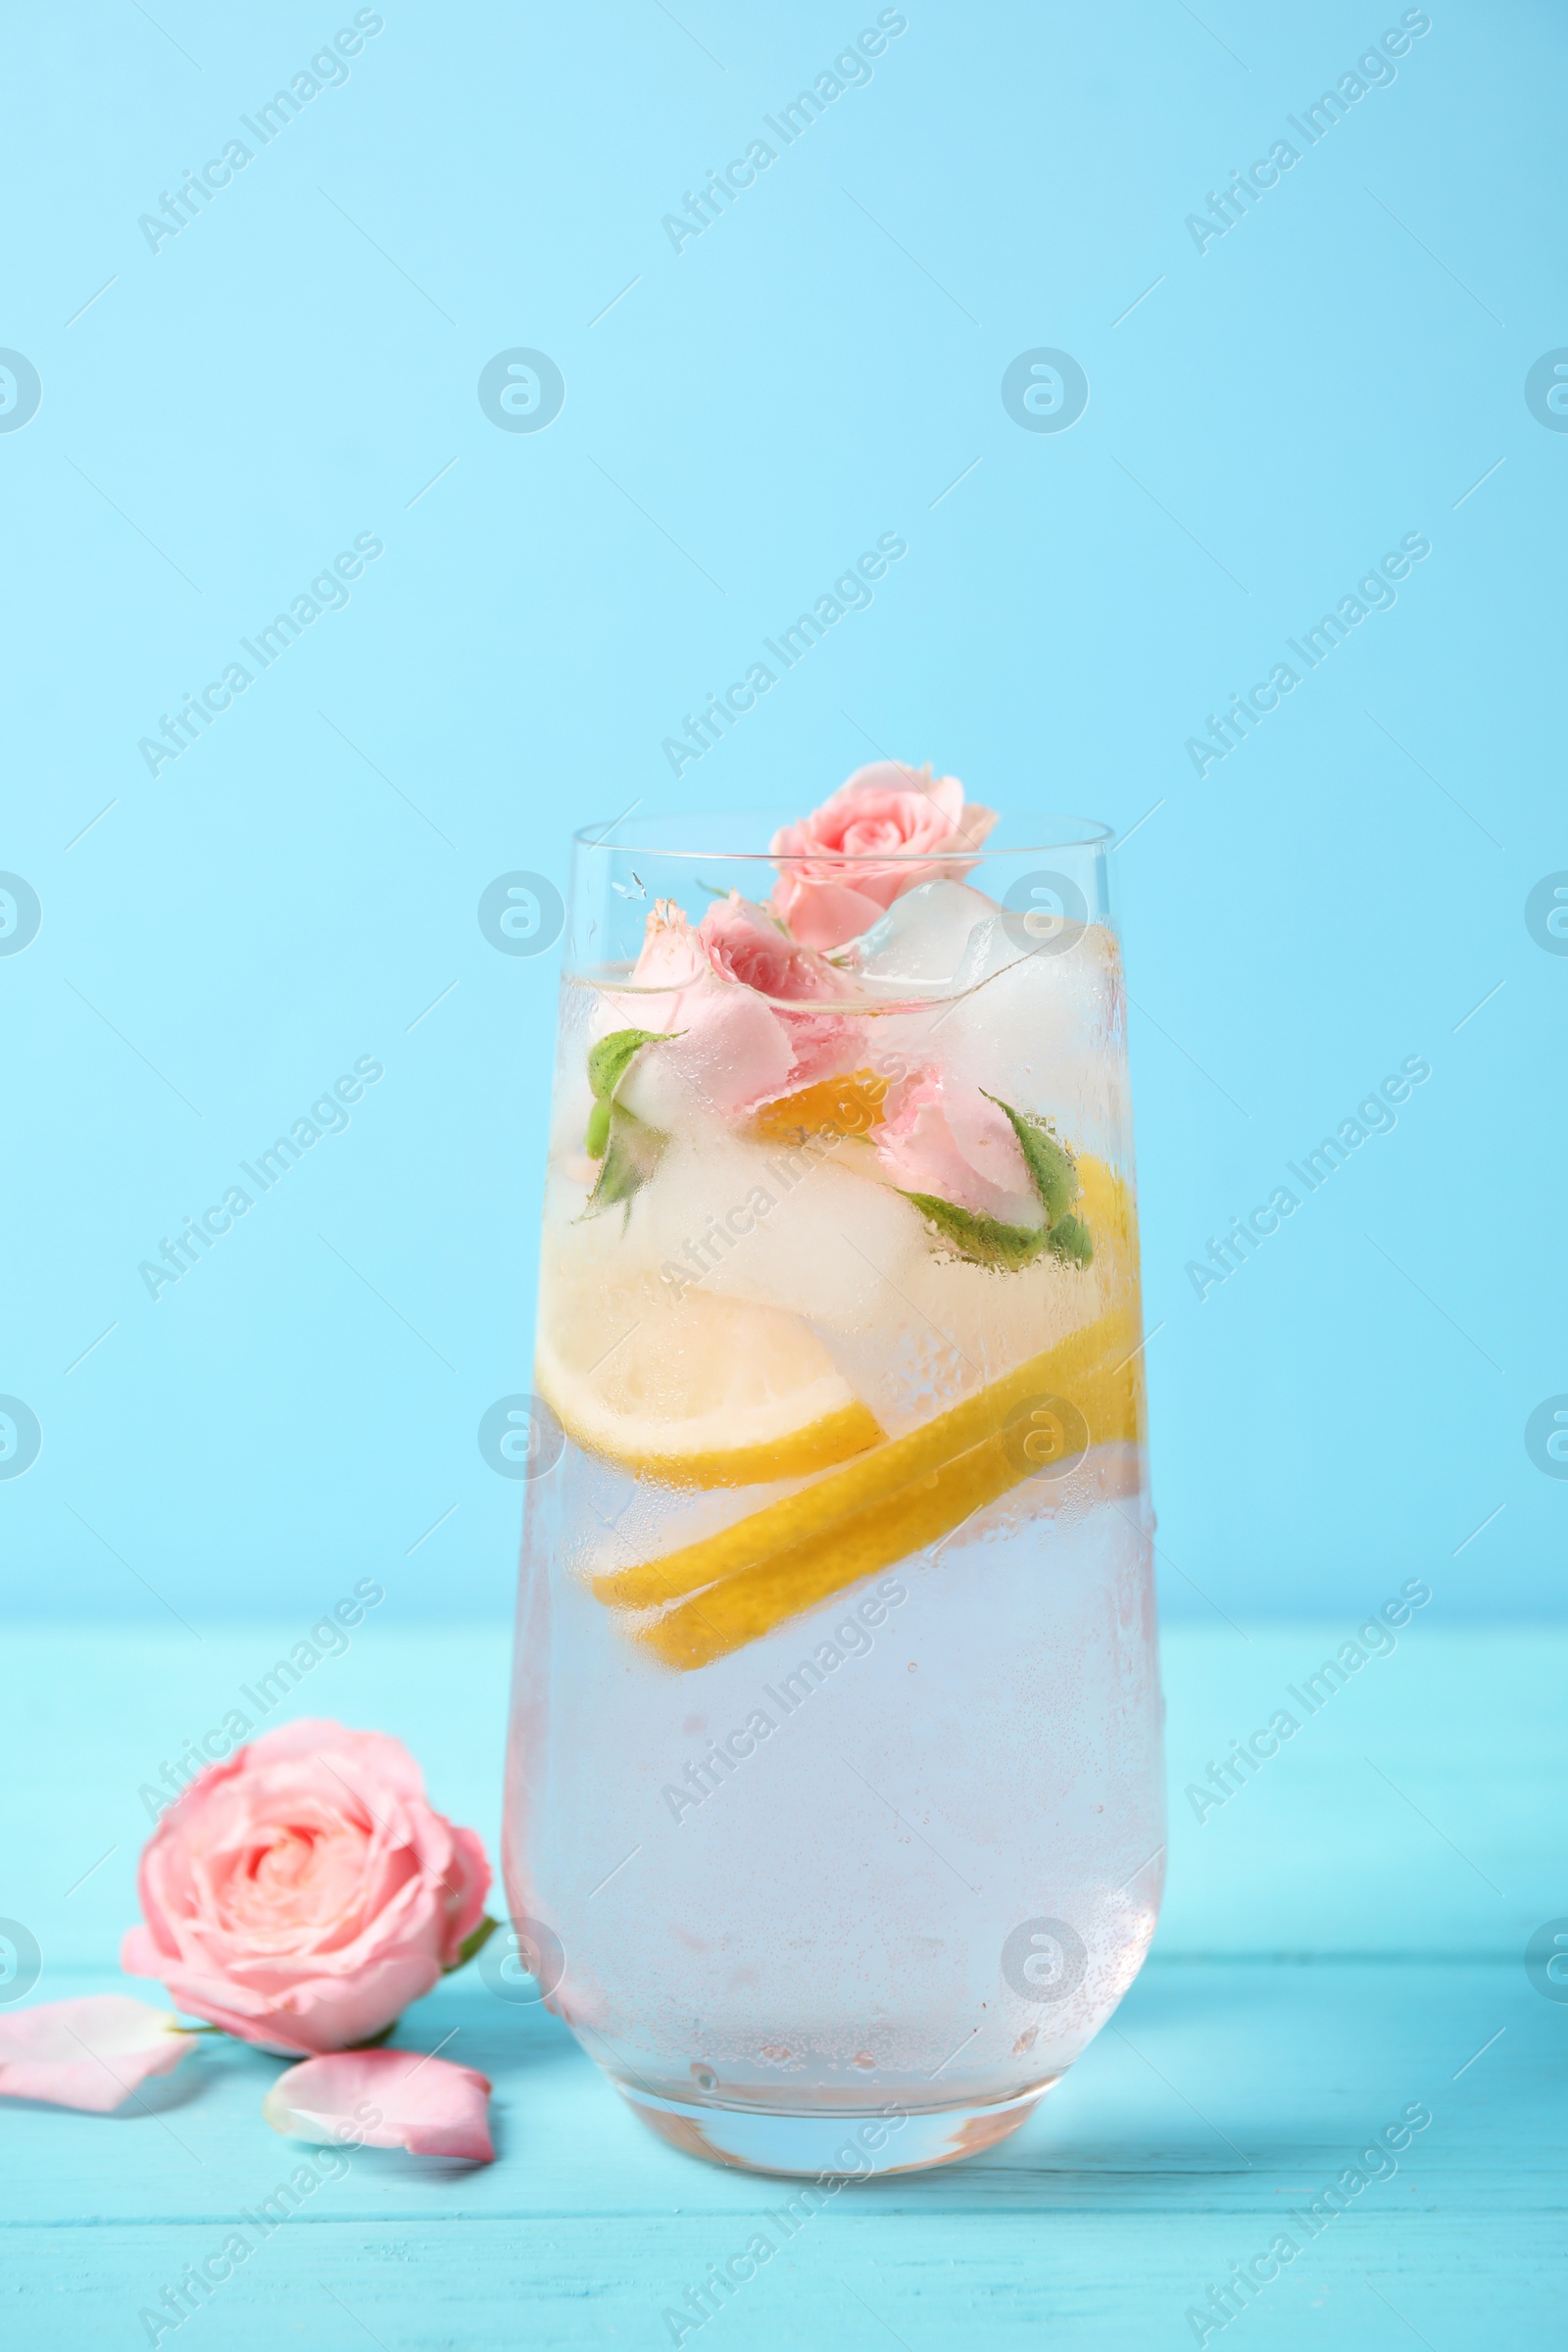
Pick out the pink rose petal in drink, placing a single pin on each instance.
(834, 884)
(945, 1138)
(744, 943)
(735, 996)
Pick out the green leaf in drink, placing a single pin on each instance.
(1050, 1166)
(632, 1152)
(608, 1063)
(610, 1058)
(1069, 1240)
(984, 1241)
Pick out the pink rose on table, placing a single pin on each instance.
(738, 1009)
(921, 823)
(946, 1139)
(303, 1892)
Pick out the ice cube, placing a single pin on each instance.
(992, 946)
(922, 937)
(1046, 1031)
(776, 1225)
(1009, 935)
(948, 1328)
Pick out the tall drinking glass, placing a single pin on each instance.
(834, 1814)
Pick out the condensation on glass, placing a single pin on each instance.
(834, 1813)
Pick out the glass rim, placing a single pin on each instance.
(1073, 833)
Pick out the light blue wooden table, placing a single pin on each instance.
(1342, 1941)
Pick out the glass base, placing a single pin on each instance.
(846, 2144)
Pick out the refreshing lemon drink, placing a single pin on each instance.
(833, 1821)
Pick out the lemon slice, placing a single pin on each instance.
(733, 1587)
(904, 1495)
(694, 1391)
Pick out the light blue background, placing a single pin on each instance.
(817, 368)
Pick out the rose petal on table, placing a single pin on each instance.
(384, 2099)
(91, 2053)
